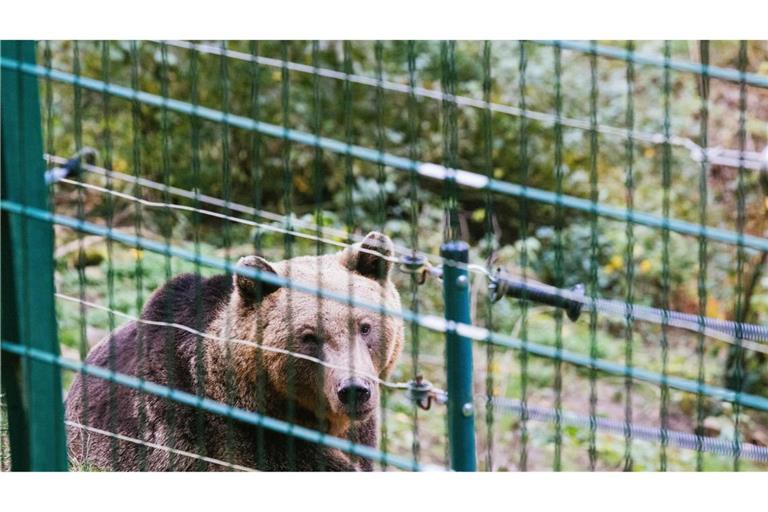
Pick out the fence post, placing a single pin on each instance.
(33, 389)
(458, 354)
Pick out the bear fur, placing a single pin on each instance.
(354, 343)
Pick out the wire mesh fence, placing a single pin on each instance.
(470, 255)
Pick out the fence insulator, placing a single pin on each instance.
(72, 167)
(504, 285)
(422, 393)
(415, 264)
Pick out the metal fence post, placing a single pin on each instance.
(33, 388)
(458, 354)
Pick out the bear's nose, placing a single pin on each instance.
(354, 392)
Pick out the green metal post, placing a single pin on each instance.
(458, 355)
(33, 388)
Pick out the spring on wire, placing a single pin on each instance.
(574, 300)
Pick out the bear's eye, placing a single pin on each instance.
(365, 328)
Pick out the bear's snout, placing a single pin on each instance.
(355, 394)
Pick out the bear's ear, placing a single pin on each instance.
(253, 290)
(371, 257)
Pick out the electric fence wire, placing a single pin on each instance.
(470, 330)
(223, 339)
(156, 446)
(427, 169)
(714, 155)
(212, 406)
(681, 439)
(194, 194)
(727, 327)
(438, 324)
(685, 440)
(751, 335)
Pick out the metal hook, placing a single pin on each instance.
(420, 392)
(415, 264)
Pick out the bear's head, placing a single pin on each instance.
(357, 346)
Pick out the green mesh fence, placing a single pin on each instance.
(578, 240)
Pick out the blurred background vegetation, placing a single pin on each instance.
(342, 193)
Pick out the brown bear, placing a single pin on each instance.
(340, 397)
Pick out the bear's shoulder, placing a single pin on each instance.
(188, 299)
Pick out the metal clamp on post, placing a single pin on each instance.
(423, 393)
(72, 167)
(415, 264)
(504, 285)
